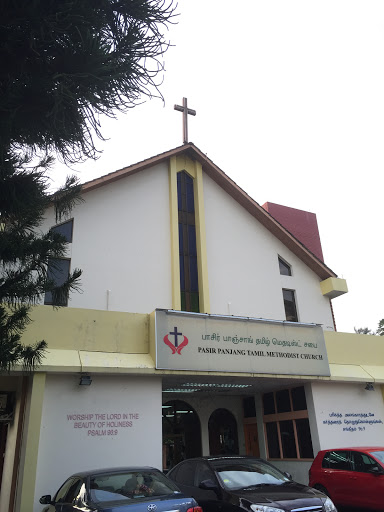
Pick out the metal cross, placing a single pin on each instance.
(185, 110)
(176, 334)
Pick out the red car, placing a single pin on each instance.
(352, 477)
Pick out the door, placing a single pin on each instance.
(181, 433)
(222, 429)
(67, 495)
(184, 476)
(367, 488)
(188, 475)
(336, 475)
(251, 439)
(208, 499)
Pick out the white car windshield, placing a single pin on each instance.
(240, 474)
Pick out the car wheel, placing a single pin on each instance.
(321, 489)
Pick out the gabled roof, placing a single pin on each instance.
(227, 184)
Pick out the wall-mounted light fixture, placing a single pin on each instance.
(369, 387)
(85, 380)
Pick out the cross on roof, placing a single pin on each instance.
(185, 110)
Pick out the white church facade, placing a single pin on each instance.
(203, 326)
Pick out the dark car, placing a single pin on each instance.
(119, 490)
(235, 483)
(352, 477)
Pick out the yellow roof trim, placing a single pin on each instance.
(350, 373)
(74, 361)
(79, 361)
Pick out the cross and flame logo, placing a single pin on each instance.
(175, 347)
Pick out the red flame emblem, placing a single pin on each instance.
(175, 347)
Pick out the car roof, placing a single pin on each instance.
(354, 448)
(100, 471)
(212, 458)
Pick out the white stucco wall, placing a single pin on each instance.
(243, 270)
(121, 241)
(68, 444)
(348, 415)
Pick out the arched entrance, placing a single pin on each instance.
(181, 433)
(222, 428)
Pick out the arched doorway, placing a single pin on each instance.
(222, 428)
(181, 433)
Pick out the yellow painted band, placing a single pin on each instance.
(32, 442)
(87, 329)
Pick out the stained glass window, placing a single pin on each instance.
(187, 244)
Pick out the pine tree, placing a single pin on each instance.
(63, 63)
(25, 253)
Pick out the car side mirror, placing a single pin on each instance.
(209, 485)
(376, 470)
(288, 475)
(46, 500)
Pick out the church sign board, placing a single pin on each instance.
(201, 342)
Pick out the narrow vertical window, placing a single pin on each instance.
(290, 306)
(59, 268)
(58, 273)
(187, 244)
(273, 440)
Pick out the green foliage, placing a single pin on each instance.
(363, 330)
(63, 63)
(13, 321)
(25, 253)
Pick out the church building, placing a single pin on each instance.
(204, 325)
